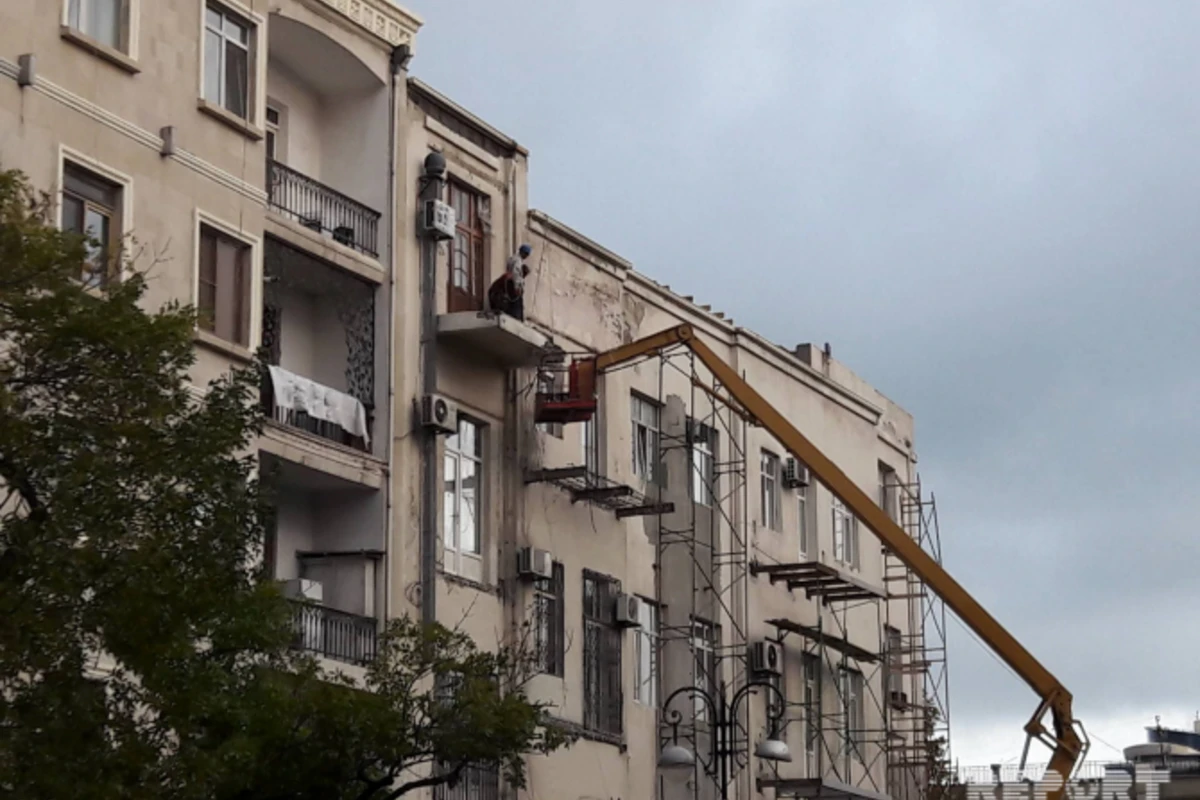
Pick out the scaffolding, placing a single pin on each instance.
(868, 709)
(919, 691)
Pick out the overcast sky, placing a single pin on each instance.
(990, 210)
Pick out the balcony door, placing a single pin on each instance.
(468, 251)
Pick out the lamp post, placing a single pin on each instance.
(723, 711)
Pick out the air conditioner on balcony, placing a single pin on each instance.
(629, 611)
(304, 589)
(795, 474)
(766, 658)
(439, 413)
(437, 220)
(534, 564)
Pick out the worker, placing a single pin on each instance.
(507, 294)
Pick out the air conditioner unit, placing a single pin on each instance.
(439, 413)
(533, 564)
(304, 589)
(437, 220)
(766, 658)
(899, 700)
(629, 611)
(795, 474)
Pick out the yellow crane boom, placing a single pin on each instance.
(1066, 738)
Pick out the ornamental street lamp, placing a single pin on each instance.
(676, 757)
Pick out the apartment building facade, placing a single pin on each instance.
(269, 162)
(239, 154)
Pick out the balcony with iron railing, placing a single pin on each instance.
(334, 634)
(313, 408)
(321, 208)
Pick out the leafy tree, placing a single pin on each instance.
(141, 653)
(941, 776)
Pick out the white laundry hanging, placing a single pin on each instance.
(296, 393)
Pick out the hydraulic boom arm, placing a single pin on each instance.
(1065, 738)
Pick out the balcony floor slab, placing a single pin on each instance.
(509, 340)
(314, 452)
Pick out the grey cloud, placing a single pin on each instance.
(989, 210)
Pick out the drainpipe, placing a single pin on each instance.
(431, 189)
(398, 62)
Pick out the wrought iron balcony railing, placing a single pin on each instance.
(316, 206)
(335, 634)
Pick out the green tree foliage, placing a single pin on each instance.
(941, 776)
(141, 654)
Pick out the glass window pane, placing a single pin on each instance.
(468, 510)
(237, 82)
(449, 495)
(72, 214)
(73, 14)
(212, 67)
(235, 30)
(104, 24)
(212, 18)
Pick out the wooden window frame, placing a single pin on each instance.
(603, 701)
(84, 184)
(549, 599)
(474, 229)
(242, 312)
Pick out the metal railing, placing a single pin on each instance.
(316, 206)
(1010, 773)
(335, 634)
(299, 419)
(474, 783)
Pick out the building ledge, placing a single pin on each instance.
(830, 640)
(818, 580)
(823, 788)
(584, 486)
(512, 342)
(320, 454)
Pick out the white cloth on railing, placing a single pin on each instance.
(295, 393)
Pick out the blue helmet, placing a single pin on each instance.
(525, 250)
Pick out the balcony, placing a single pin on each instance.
(320, 208)
(319, 333)
(506, 341)
(334, 634)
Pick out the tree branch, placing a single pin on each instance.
(432, 780)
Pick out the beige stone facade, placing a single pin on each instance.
(265, 160)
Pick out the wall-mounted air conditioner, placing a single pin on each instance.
(534, 564)
(766, 658)
(437, 220)
(795, 474)
(439, 413)
(629, 611)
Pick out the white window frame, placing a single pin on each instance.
(276, 132)
(704, 646)
(889, 491)
(770, 496)
(703, 473)
(806, 539)
(465, 563)
(130, 11)
(845, 535)
(256, 108)
(646, 465)
(589, 445)
(646, 655)
(854, 711)
(86, 162)
(203, 217)
(810, 664)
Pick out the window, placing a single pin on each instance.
(769, 475)
(224, 283)
(845, 535)
(704, 645)
(601, 655)
(812, 708)
(853, 710)
(646, 687)
(463, 480)
(807, 533)
(474, 783)
(468, 255)
(590, 446)
(91, 207)
(895, 676)
(646, 463)
(228, 60)
(704, 445)
(888, 485)
(274, 139)
(101, 20)
(551, 383)
(549, 622)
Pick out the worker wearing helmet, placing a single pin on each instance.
(507, 294)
